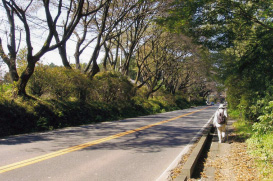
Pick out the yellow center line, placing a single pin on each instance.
(84, 145)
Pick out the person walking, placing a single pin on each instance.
(220, 122)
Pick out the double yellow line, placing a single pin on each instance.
(85, 145)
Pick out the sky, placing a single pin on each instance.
(38, 35)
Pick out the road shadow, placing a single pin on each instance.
(150, 140)
(153, 139)
(15, 140)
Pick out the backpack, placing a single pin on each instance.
(221, 119)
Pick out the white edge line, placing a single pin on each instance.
(164, 176)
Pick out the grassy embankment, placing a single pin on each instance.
(61, 98)
(260, 144)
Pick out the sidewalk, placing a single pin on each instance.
(229, 160)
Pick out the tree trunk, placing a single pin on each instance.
(10, 61)
(148, 94)
(13, 71)
(106, 56)
(128, 58)
(95, 69)
(24, 78)
(77, 60)
(62, 52)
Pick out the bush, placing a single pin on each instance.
(260, 146)
(63, 97)
(59, 82)
(247, 100)
(262, 149)
(14, 119)
(40, 81)
(257, 114)
(265, 124)
(19, 116)
(166, 100)
(6, 87)
(182, 102)
(112, 88)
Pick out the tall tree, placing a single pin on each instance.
(10, 58)
(106, 21)
(72, 18)
(238, 33)
(23, 11)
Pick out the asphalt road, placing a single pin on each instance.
(140, 149)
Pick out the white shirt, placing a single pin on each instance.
(216, 116)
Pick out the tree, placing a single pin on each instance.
(84, 28)
(72, 18)
(10, 59)
(238, 33)
(142, 16)
(156, 59)
(106, 21)
(23, 12)
(119, 29)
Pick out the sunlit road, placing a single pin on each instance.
(132, 149)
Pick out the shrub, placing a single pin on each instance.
(60, 83)
(182, 102)
(6, 87)
(244, 107)
(265, 124)
(262, 149)
(64, 97)
(40, 81)
(14, 119)
(112, 88)
(166, 100)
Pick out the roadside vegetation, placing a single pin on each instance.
(60, 97)
(157, 56)
(143, 68)
(238, 35)
(258, 135)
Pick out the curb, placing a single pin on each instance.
(189, 166)
(214, 150)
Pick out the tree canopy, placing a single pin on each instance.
(238, 35)
(125, 32)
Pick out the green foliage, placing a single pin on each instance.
(182, 102)
(234, 114)
(259, 133)
(14, 118)
(5, 87)
(244, 107)
(262, 149)
(21, 60)
(243, 128)
(260, 146)
(24, 115)
(59, 82)
(63, 97)
(112, 88)
(39, 82)
(265, 124)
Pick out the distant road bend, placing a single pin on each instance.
(139, 149)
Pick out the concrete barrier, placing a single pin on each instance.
(189, 166)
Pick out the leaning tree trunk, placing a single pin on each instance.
(95, 69)
(24, 78)
(62, 52)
